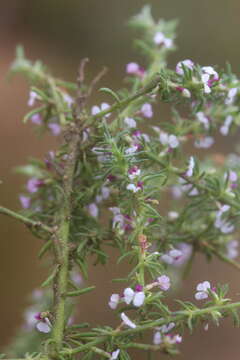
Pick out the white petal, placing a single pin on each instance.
(157, 338)
(127, 321)
(115, 354)
(128, 295)
(95, 110)
(138, 299)
(43, 327)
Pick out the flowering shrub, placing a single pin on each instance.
(105, 185)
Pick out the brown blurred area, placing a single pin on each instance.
(61, 33)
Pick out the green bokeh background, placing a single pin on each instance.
(61, 32)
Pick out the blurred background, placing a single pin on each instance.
(60, 33)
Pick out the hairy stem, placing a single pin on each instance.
(177, 316)
(61, 245)
(25, 220)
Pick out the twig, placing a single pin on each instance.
(25, 220)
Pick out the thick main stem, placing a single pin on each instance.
(61, 245)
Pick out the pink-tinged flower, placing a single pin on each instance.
(138, 288)
(115, 354)
(137, 298)
(173, 339)
(134, 172)
(186, 250)
(164, 282)
(224, 129)
(33, 96)
(36, 119)
(127, 321)
(55, 129)
(189, 64)
(25, 201)
(114, 301)
(157, 338)
(171, 256)
(34, 184)
(96, 109)
(191, 165)
(160, 39)
(208, 77)
(132, 149)
(232, 249)
(135, 188)
(43, 324)
(133, 68)
(202, 118)
(131, 123)
(167, 327)
(146, 110)
(184, 91)
(204, 142)
(202, 290)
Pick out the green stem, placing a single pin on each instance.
(153, 84)
(176, 317)
(25, 220)
(61, 244)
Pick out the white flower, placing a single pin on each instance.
(232, 249)
(231, 96)
(136, 297)
(93, 210)
(176, 339)
(128, 295)
(114, 300)
(202, 118)
(43, 327)
(167, 328)
(96, 109)
(146, 110)
(131, 150)
(139, 298)
(161, 39)
(171, 256)
(131, 123)
(157, 338)
(204, 143)
(133, 188)
(221, 224)
(33, 96)
(202, 290)
(187, 63)
(170, 140)
(127, 321)
(164, 282)
(191, 166)
(173, 141)
(186, 93)
(115, 354)
(224, 129)
(173, 215)
(134, 172)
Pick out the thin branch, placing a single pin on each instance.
(28, 222)
(176, 316)
(153, 84)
